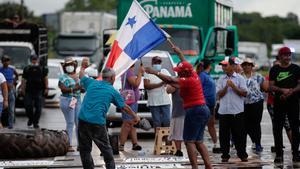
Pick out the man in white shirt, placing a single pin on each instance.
(158, 100)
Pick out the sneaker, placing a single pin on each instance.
(136, 147)
(29, 123)
(36, 126)
(278, 159)
(225, 160)
(178, 153)
(244, 159)
(258, 148)
(296, 158)
(121, 148)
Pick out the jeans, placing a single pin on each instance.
(89, 132)
(161, 115)
(33, 101)
(1, 108)
(11, 108)
(71, 116)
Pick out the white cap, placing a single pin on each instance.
(91, 72)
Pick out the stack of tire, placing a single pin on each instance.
(32, 143)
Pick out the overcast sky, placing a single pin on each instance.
(265, 7)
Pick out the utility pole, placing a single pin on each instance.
(21, 10)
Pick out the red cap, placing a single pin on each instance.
(284, 50)
(183, 66)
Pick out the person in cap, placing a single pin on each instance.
(34, 87)
(11, 77)
(197, 113)
(231, 90)
(209, 90)
(158, 100)
(254, 102)
(70, 99)
(285, 83)
(130, 81)
(92, 118)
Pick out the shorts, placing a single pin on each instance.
(176, 128)
(126, 116)
(195, 122)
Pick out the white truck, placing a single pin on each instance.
(255, 50)
(80, 34)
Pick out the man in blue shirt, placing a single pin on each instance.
(92, 117)
(11, 77)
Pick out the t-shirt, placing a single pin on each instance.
(2, 80)
(285, 78)
(209, 88)
(34, 76)
(129, 74)
(157, 96)
(8, 74)
(191, 91)
(99, 95)
(69, 82)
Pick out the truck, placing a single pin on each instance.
(80, 34)
(255, 50)
(21, 40)
(202, 29)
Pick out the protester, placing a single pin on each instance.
(131, 81)
(70, 99)
(285, 83)
(11, 77)
(158, 99)
(270, 107)
(231, 89)
(92, 117)
(197, 113)
(3, 96)
(254, 102)
(34, 86)
(209, 91)
(177, 120)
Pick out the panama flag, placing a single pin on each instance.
(137, 35)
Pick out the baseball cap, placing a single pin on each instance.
(284, 50)
(228, 60)
(183, 66)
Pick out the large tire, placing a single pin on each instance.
(32, 143)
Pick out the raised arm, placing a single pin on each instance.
(167, 79)
(177, 50)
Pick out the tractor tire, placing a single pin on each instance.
(32, 143)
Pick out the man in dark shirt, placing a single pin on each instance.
(34, 86)
(285, 83)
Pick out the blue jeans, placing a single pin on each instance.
(11, 108)
(161, 115)
(1, 108)
(88, 133)
(71, 115)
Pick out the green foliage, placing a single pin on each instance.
(273, 29)
(90, 5)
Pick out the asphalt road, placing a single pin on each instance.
(52, 118)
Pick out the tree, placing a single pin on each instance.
(91, 5)
(9, 9)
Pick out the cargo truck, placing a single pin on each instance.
(80, 34)
(19, 41)
(201, 28)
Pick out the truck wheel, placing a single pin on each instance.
(32, 143)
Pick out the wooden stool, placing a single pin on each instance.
(162, 146)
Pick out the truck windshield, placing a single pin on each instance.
(19, 56)
(76, 44)
(186, 39)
